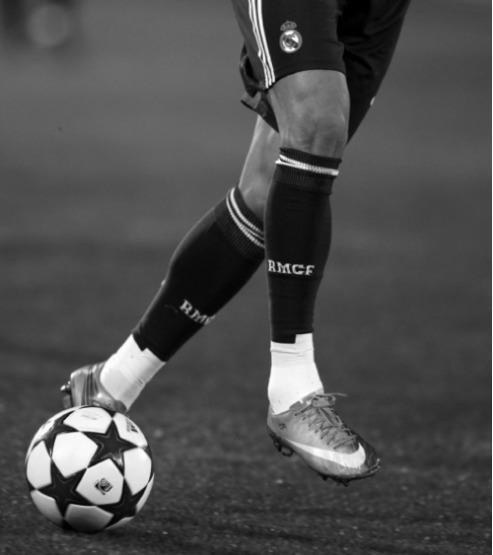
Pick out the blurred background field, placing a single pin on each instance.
(110, 151)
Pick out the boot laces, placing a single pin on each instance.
(323, 418)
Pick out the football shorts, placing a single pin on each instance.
(282, 37)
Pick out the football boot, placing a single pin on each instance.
(312, 429)
(84, 388)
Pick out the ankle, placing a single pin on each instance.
(127, 371)
(294, 373)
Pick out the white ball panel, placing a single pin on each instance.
(47, 506)
(87, 519)
(102, 483)
(46, 426)
(144, 498)
(129, 430)
(138, 469)
(38, 466)
(89, 419)
(72, 452)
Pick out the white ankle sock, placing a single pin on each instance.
(293, 373)
(125, 373)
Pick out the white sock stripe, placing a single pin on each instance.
(253, 228)
(258, 240)
(305, 166)
(255, 8)
(308, 167)
(285, 161)
(242, 227)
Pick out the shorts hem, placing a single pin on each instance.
(306, 65)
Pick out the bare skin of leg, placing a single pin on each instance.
(312, 111)
(259, 167)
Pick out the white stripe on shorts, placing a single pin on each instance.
(265, 43)
(255, 12)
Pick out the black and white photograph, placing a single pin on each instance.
(245, 281)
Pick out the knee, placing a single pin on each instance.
(313, 113)
(317, 127)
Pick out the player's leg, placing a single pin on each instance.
(258, 170)
(312, 114)
(293, 52)
(312, 111)
(212, 263)
(310, 102)
(307, 101)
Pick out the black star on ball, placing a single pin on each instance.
(63, 490)
(110, 445)
(49, 436)
(126, 506)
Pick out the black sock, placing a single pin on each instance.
(297, 239)
(212, 263)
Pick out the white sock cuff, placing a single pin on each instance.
(303, 343)
(136, 365)
(132, 350)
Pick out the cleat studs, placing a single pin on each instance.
(66, 396)
(281, 447)
(339, 481)
(65, 388)
(285, 451)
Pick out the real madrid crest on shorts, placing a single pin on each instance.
(291, 39)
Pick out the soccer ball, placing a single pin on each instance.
(89, 469)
